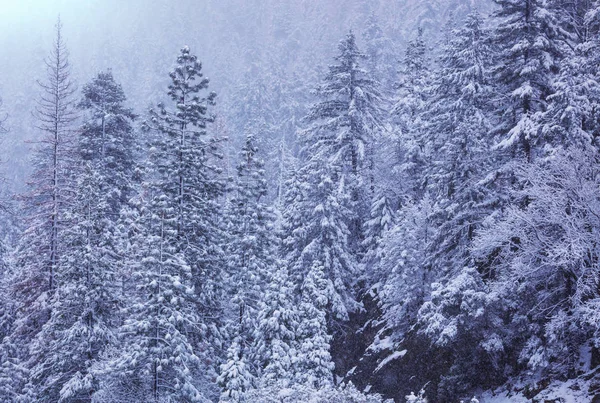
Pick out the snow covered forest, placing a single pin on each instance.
(320, 201)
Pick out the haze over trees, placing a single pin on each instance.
(414, 217)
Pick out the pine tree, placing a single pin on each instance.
(343, 126)
(107, 138)
(110, 150)
(459, 118)
(408, 277)
(56, 115)
(413, 144)
(381, 220)
(82, 322)
(379, 50)
(187, 186)
(252, 246)
(170, 333)
(235, 379)
(43, 242)
(314, 366)
(331, 190)
(527, 44)
(156, 360)
(275, 338)
(571, 118)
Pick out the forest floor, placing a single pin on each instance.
(584, 389)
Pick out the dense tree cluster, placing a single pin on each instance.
(435, 232)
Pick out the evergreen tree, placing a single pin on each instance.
(413, 144)
(459, 119)
(528, 49)
(330, 196)
(44, 242)
(571, 118)
(109, 148)
(107, 138)
(235, 379)
(156, 359)
(82, 320)
(275, 339)
(408, 277)
(314, 366)
(252, 246)
(379, 50)
(381, 220)
(186, 187)
(343, 126)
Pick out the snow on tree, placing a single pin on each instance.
(379, 49)
(420, 398)
(13, 372)
(314, 366)
(528, 49)
(275, 338)
(546, 255)
(82, 317)
(303, 393)
(411, 142)
(331, 194)
(343, 126)
(382, 220)
(407, 279)
(252, 242)
(235, 379)
(571, 118)
(462, 318)
(107, 137)
(187, 185)
(459, 120)
(43, 241)
(109, 148)
(155, 357)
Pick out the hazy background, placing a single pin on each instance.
(263, 56)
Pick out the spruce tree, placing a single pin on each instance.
(171, 329)
(331, 191)
(314, 366)
(183, 154)
(82, 322)
(235, 379)
(379, 50)
(251, 249)
(528, 48)
(412, 143)
(156, 357)
(571, 118)
(44, 241)
(107, 138)
(274, 346)
(187, 185)
(459, 118)
(343, 126)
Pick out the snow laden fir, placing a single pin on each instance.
(429, 233)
